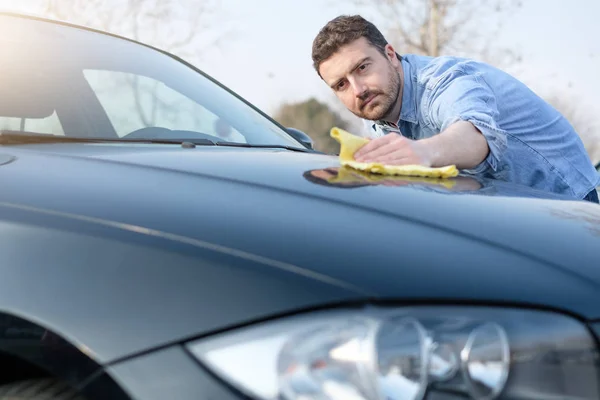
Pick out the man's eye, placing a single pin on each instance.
(340, 85)
(363, 67)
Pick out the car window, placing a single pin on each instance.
(48, 125)
(133, 102)
(87, 84)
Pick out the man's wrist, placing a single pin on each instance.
(431, 152)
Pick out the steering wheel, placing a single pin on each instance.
(156, 132)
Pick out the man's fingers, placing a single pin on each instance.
(369, 147)
(382, 151)
(372, 145)
(376, 147)
(394, 158)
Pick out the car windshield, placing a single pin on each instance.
(60, 80)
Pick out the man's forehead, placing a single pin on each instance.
(346, 58)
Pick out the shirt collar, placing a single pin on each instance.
(409, 106)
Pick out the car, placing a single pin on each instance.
(162, 238)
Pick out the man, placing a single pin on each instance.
(448, 110)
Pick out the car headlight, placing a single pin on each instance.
(408, 354)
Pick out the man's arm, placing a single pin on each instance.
(460, 144)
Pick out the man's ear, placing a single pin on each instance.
(390, 53)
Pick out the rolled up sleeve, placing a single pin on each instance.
(458, 96)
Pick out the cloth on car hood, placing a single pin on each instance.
(350, 143)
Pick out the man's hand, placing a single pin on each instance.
(394, 149)
(461, 144)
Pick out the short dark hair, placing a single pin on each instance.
(341, 31)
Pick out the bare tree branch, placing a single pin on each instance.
(143, 20)
(438, 27)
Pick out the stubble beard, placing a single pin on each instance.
(388, 100)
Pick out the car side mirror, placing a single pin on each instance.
(301, 137)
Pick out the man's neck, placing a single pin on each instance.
(394, 116)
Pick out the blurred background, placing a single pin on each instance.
(261, 49)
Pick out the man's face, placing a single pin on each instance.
(366, 81)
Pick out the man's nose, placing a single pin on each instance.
(358, 87)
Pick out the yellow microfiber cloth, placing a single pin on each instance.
(350, 143)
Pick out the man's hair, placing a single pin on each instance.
(344, 30)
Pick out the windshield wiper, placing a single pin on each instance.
(18, 138)
(8, 138)
(265, 146)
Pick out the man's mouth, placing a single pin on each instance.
(369, 100)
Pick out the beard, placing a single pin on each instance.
(386, 100)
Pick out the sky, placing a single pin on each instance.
(558, 41)
(267, 59)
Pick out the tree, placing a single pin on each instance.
(316, 119)
(445, 27)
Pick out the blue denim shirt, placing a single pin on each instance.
(530, 142)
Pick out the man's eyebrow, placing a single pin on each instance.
(358, 64)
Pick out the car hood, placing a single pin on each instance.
(357, 237)
(550, 227)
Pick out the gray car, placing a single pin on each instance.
(161, 238)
